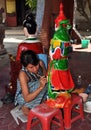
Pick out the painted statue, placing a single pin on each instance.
(60, 82)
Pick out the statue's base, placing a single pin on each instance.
(3, 51)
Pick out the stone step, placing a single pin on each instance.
(14, 32)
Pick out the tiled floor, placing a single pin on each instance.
(79, 63)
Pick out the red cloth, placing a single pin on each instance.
(62, 80)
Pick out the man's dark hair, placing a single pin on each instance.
(29, 57)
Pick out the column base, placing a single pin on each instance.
(3, 51)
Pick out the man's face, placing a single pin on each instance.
(32, 68)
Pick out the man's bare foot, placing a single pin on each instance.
(25, 110)
(84, 96)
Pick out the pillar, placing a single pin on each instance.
(2, 35)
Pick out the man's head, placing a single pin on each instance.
(30, 60)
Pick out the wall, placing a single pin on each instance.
(11, 19)
(10, 6)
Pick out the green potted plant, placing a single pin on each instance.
(32, 4)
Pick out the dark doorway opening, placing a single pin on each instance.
(20, 11)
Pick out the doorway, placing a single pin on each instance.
(20, 11)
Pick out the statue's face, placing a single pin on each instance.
(65, 24)
(68, 26)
